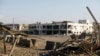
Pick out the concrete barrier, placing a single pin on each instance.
(33, 41)
(25, 42)
(57, 45)
(29, 43)
(49, 45)
(20, 41)
(40, 44)
(7, 39)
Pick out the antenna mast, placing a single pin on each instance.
(13, 24)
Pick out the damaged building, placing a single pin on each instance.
(57, 28)
(54, 28)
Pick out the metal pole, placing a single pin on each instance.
(92, 15)
(4, 42)
(13, 24)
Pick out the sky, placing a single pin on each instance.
(46, 11)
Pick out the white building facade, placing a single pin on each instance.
(78, 28)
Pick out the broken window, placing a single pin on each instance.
(63, 27)
(63, 32)
(56, 32)
(44, 31)
(56, 27)
(49, 26)
(69, 32)
(36, 32)
(44, 26)
(69, 26)
(30, 32)
(49, 32)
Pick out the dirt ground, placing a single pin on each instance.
(22, 51)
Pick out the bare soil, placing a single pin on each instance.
(22, 51)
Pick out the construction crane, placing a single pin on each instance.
(97, 27)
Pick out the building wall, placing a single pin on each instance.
(54, 28)
(77, 28)
(46, 29)
(13, 26)
(57, 28)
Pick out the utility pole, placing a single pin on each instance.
(4, 42)
(13, 24)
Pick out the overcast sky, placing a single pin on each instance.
(31, 11)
